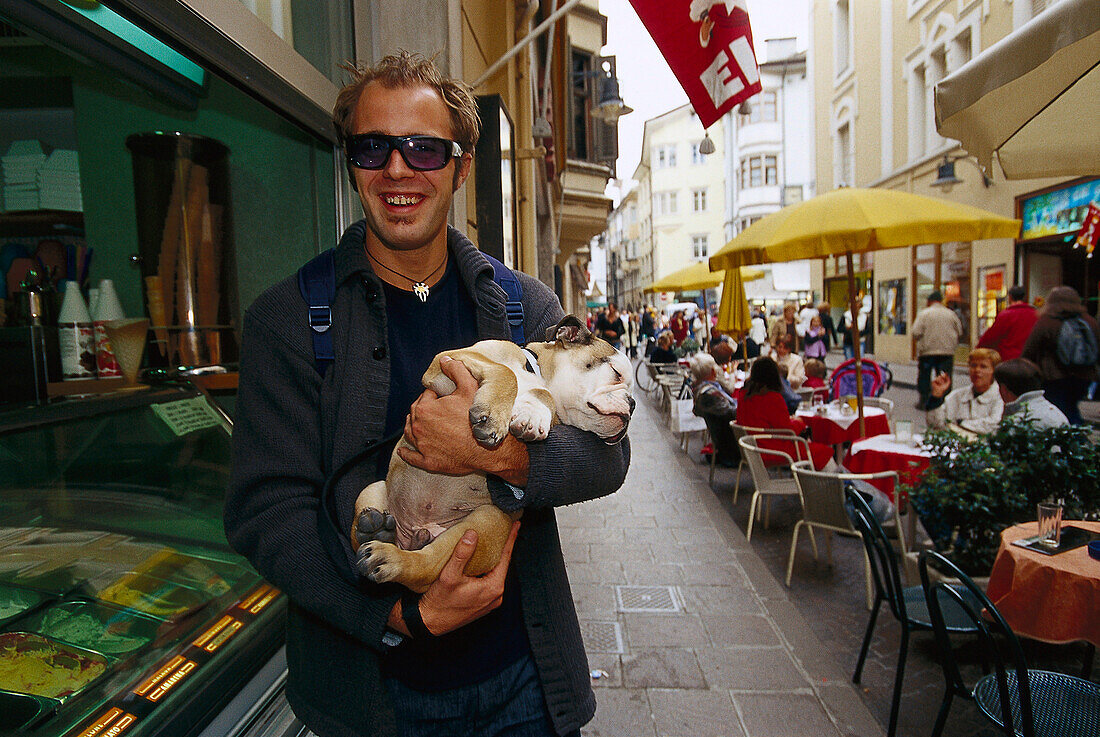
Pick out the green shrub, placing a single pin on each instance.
(975, 489)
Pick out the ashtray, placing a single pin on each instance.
(1094, 549)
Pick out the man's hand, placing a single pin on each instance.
(941, 384)
(456, 599)
(438, 429)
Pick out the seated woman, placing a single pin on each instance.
(977, 407)
(789, 360)
(714, 403)
(815, 374)
(762, 405)
(663, 352)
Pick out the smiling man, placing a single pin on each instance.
(500, 654)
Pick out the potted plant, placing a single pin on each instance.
(975, 489)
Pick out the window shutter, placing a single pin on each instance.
(605, 136)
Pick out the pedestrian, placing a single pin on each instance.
(1063, 344)
(371, 659)
(630, 339)
(1013, 325)
(679, 327)
(649, 329)
(814, 343)
(805, 315)
(863, 325)
(610, 327)
(824, 312)
(1021, 385)
(937, 331)
(787, 325)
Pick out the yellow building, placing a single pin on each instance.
(874, 65)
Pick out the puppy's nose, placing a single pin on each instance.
(630, 403)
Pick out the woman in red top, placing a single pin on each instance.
(763, 406)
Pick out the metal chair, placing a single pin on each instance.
(1032, 703)
(908, 605)
(822, 495)
(763, 482)
(741, 431)
(886, 405)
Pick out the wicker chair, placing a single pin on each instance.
(741, 431)
(763, 482)
(1032, 703)
(908, 605)
(822, 495)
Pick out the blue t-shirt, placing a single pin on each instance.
(416, 332)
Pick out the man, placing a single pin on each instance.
(976, 408)
(368, 659)
(1009, 331)
(609, 326)
(1021, 386)
(937, 331)
(824, 311)
(1064, 384)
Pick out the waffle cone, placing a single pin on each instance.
(128, 343)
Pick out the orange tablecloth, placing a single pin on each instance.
(1053, 598)
(825, 430)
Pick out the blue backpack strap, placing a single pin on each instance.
(317, 283)
(513, 308)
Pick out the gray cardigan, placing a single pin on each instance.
(293, 429)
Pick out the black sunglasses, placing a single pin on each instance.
(423, 153)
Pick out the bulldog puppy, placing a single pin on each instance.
(407, 525)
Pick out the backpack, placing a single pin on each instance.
(317, 283)
(1076, 343)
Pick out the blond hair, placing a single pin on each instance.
(406, 69)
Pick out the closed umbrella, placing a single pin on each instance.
(1033, 97)
(854, 220)
(733, 311)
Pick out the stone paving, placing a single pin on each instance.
(726, 648)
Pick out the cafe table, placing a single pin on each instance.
(834, 426)
(1053, 598)
(887, 453)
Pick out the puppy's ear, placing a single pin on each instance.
(569, 330)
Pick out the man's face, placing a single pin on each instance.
(981, 375)
(406, 209)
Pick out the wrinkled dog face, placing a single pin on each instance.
(589, 380)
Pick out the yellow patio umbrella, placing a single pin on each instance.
(698, 276)
(855, 220)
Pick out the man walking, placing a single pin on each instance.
(937, 331)
(472, 656)
(1009, 331)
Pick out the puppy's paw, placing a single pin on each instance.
(374, 524)
(378, 561)
(488, 430)
(530, 419)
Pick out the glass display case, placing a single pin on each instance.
(122, 608)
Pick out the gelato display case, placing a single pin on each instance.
(122, 608)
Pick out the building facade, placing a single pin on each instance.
(874, 65)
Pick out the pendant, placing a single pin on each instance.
(420, 289)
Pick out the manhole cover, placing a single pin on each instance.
(602, 637)
(647, 599)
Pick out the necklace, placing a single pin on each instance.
(420, 288)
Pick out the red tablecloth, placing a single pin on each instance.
(882, 455)
(825, 430)
(1053, 598)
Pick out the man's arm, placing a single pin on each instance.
(992, 337)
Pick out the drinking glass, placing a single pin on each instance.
(1050, 524)
(904, 431)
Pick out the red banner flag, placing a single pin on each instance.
(1089, 235)
(708, 46)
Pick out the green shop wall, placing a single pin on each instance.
(281, 181)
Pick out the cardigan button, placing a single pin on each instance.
(380, 353)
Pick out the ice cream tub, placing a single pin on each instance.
(41, 666)
(14, 602)
(94, 626)
(148, 595)
(23, 711)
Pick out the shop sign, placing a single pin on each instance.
(1059, 212)
(1090, 231)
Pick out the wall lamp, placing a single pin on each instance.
(945, 173)
(610, 106)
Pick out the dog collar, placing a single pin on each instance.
(532, 364)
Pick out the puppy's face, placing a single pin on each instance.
(589, 380)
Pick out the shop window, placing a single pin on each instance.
(945, 268)
(991, 295)
(892, 309)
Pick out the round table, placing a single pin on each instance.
(834, 428)
(1053, 598)
(886, 453)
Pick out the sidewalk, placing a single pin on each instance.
(688, 631)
